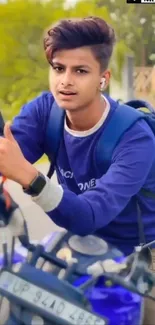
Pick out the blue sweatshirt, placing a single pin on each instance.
(93, 202)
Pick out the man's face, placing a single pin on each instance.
(74, 78)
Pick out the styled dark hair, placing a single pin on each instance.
(73, 33)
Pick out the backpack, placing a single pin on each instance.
(122, 119)
(124, 116)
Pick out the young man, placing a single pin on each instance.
(86, 201)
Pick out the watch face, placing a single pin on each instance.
(37, 185)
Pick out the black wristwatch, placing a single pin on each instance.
(36, 186)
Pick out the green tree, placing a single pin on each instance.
(135, 25)
(23, 67)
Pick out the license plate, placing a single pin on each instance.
(47, 301)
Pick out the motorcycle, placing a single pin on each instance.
(67, 279)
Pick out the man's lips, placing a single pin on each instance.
(67, 93)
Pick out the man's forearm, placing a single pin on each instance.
(50, 196)
(66, 209)
(26, 174)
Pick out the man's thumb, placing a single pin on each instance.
(7, 132)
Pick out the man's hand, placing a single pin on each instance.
(13, 164)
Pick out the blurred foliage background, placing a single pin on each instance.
(23, 67)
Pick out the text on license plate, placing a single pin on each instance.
(47, 301)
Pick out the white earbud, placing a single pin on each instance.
(103, 82)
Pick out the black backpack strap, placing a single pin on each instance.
(148, 194)
(51, 170)
(141, 232)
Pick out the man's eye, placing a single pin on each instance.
(58, 69)
(82, 71)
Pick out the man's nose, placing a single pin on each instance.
(67, 78)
